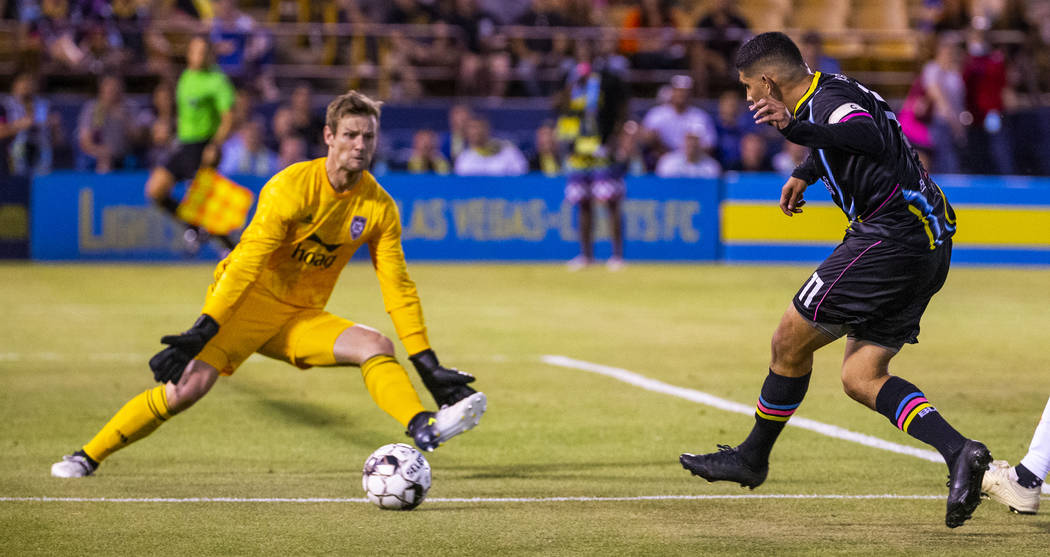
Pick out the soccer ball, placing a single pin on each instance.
(396, 477)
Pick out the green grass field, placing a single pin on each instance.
(75, 340)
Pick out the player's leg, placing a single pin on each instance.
(1018, 487)
(256, 319)
(866, 378)
(158, 189)
(318, 338)
(138, 418)
(793, 345)
(609, 189)
(578, 193)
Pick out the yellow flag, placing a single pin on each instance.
(215, 203)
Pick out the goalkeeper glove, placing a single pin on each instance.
(447, 385)
(168, 364)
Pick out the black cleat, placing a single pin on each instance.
(422, 430)
(964, 482)
(725, 465)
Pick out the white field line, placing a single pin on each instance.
(706, 399)
(457, 499)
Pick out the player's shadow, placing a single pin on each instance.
(335, 423)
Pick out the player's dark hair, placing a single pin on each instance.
(352, 103)
(772, 48)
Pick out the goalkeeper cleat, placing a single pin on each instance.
(461, 416)
(430, 429)
(76, 465)
(725, 465)
(1000, 485)
(421, 429)
(964, 482)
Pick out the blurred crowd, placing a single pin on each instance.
(987, 60)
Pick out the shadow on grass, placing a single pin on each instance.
(548, 470)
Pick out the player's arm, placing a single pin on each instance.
(233, 277)
(401, 299)
(850, 130)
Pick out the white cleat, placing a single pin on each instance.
(72, 466)
(462, 416)
(1000, 485)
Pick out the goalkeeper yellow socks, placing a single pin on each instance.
(390, 388)
(135, 420)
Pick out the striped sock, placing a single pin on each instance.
(907, 408)
(778, 401)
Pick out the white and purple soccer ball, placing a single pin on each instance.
(396, 477)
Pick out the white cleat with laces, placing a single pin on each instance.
(462, 416)
(72, 466)
(1000, 485)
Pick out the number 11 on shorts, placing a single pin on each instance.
(810, 290)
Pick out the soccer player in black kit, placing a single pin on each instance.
(874, 286)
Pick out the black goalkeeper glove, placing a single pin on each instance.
(168, 364)
(447, 385)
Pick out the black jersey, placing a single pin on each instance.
(865, 162)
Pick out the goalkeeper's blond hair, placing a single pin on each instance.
(352, 103)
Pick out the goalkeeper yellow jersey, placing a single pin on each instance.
(302, 236)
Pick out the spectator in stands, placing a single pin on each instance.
(789, 158)
(754, 154)
(984, 74)
(533, 55)
(292, 150)
(664, 126)
(724, 29)
(545, 157)
(29, 129)
(105, 128)
(945, 15)
(157, 124)
(488, 156)
(246, 154)
(243, 49)
(626, 154)
(650, 36)
(281, 126)
(942, 80)
(425, 156)
(915, 116)
(49, 33)
(731, 125)
(439, 54)
(691, 161)
(812, 48)
(484, 69)
(307, 121)
(454, 141)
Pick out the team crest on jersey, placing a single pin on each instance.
(357, 226)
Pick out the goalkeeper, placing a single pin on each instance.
(269, 296)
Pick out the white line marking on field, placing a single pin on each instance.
(730, 406)
(458, 499)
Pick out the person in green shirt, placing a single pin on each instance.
(203, 100)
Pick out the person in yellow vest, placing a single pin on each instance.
(269, 296)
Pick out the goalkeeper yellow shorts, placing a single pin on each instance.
(263, 324)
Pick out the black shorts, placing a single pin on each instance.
(873, 290)
(185, 160)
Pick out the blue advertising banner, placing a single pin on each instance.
(105, 217)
